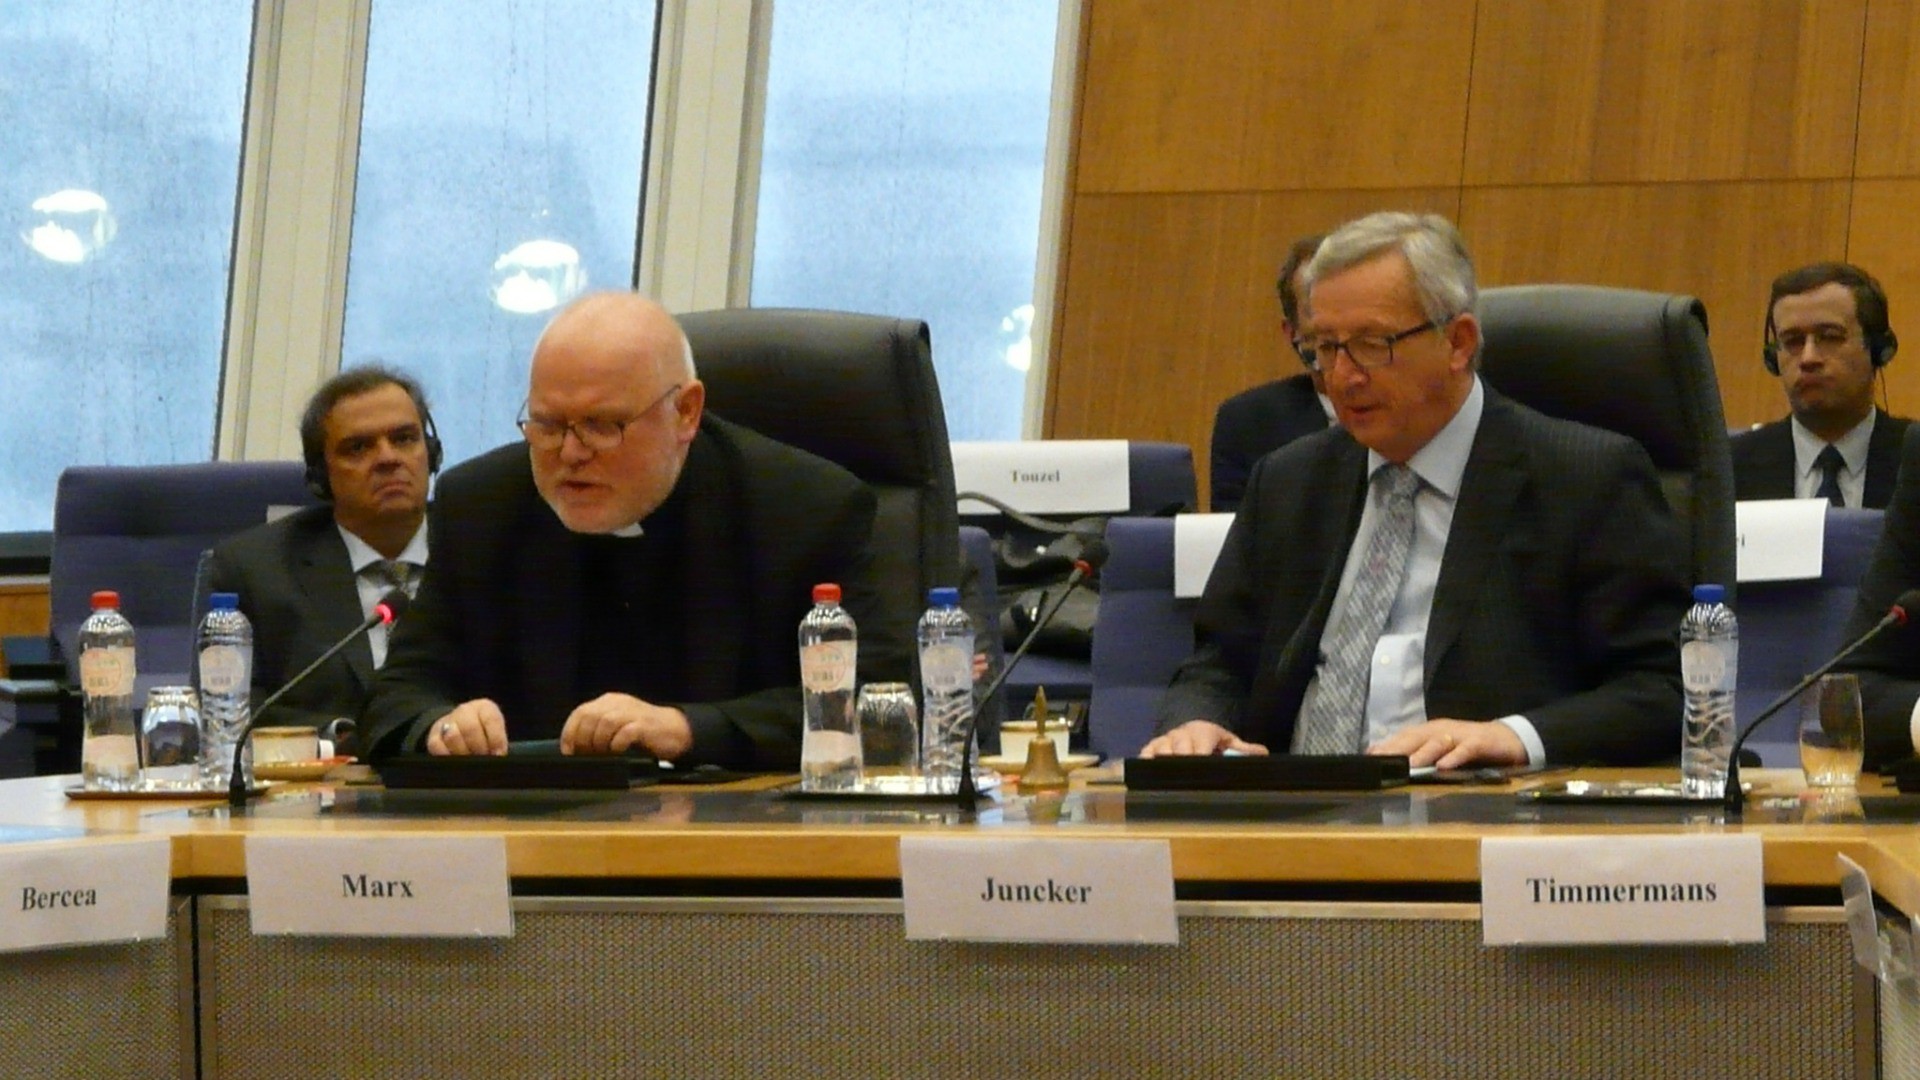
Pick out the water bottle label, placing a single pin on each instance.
(107, 672)
(826, 666)
(223, 669)
(946, 668)
(1704, 667)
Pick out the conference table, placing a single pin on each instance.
(729, 930)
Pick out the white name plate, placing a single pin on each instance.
(1197, 540)
(1077, 892)
(1045, 476)
(1620, 890)
(1779, 539)
(84, 893)
(389, 886)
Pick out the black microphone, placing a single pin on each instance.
(1895, 616)
(387, 609)
(1092, 556)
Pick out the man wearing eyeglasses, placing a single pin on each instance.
(1449, 575)
(1255, 422)
(630, 577)
(307, 579)
(1827, 337)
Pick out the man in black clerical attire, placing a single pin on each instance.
(632, 575)
(1827, 339)
(1255, 422)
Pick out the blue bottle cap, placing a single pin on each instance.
(943, 596)
(223, 601)
(1709, 594)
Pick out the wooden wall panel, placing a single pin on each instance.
(1890, 91)
(1586, 91)
(1884, 238)
(1173, 306)
(26, 610)
(1219, 95)
(1721, 242)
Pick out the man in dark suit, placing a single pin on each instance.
(1827, 336)
(1253, 423)
(307, 579)
(1450, 575)
(632, 576)
(1889, 666)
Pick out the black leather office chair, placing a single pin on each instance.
(858, 390)
(1632, 362)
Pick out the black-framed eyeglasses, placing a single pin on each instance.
(1367, 351)
(597, 433)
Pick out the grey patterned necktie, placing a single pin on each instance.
(393, 574)
(1333, 718)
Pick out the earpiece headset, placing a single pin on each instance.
(1881, 345)
(322, 486)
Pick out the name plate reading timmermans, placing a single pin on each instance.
(388, 886)
(1078, 892)
(1621, 890)
(86, 893)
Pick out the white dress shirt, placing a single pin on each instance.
(361, 556)
(1853, 451)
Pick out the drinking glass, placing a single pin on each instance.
(889, 728)
(1832, 739)
(170, 737)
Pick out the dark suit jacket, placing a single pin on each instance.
(498, 615)
(1253, 423)
(1889, 666)
(1563, 582)
(1763, 465)
(297, 588)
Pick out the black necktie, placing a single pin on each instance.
(1829, 462)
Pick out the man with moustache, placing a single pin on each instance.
(631, 576)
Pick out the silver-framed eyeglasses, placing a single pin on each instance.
(597, 433)
(1367, 351)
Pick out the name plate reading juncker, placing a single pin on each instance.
(392, 886)
(1621, 890)
(1079, 892)
(85, 893)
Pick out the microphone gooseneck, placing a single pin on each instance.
(1091, 559)
(1896, 616)
(385, 611)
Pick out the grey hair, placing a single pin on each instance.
(1442, 272)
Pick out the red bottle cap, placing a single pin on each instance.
(826, 593)
(106, 598)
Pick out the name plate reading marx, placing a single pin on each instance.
(392, 886)
(1079, 892)
(84, 893)
(1621, 890)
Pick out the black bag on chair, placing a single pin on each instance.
(1034, 576)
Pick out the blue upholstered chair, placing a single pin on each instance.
(1788, 628)
(1160, 481)
(1144, 633)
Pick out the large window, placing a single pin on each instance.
(121, 122)
(900, 174)
(501, 153)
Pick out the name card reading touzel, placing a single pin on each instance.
(392, 886)
(1077, 892)
(1779, 539)
(1045, 476)
(1621, 890)
(83, 893)
(1197, 540)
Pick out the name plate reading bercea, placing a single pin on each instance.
(1078, 892)
(1621, 890)
(84, 893)
(387, 886)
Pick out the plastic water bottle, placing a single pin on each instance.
(109, 754)
(1709, 663)
(946, 685)
(223, 672)
(829, 651)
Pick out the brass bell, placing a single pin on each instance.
(1042, 772)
